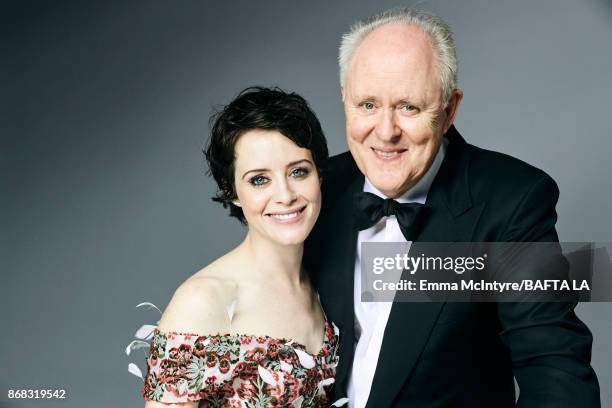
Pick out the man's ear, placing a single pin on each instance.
(342, 93)
(452, 107)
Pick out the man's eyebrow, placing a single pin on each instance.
(365, 98)
(293, 163)
(408, 99)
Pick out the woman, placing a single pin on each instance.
(248, 329)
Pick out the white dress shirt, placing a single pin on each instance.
(371, 317)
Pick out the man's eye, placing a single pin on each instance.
(367, 105)
(300, 172)
(258, 180)
(410, 108)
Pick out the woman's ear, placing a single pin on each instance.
(236, 203)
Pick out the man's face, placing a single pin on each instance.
(393, 106)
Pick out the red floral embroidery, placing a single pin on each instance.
(199, 346)
(255, 354)
(273, 348)
(223, 371)
(211, 359)
(245, 371)
(224, 364)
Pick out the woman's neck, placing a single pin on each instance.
(270, 261)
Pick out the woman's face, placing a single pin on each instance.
(277, 186)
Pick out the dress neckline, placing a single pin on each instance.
(329, 338)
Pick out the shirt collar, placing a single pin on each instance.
(418, 193)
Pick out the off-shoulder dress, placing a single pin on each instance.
(240, 370)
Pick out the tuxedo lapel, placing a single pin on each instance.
(337, 255)
(452, 218)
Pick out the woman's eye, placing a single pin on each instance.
(299, 172)
(258, 180)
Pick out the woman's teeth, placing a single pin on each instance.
(286, 216)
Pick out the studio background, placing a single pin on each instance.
(105, 105)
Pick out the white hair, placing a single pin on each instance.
(438, 30)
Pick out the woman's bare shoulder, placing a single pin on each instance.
(200, 304)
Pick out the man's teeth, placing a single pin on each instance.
(386, 154)
(286, 216)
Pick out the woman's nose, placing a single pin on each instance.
(285, 193)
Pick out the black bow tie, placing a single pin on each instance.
(368, 208)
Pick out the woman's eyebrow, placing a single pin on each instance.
(293, 163)
(253, 171)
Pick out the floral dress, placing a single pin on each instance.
(239, 370)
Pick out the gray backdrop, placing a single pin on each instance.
(105, 202)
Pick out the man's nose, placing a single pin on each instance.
(285, 193)
(387, 128)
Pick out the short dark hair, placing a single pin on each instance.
(259, 108)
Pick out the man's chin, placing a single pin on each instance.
(390, 190)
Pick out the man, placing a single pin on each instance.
(398, 77)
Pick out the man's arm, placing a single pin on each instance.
(549, 345)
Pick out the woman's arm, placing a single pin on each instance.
(197, 308)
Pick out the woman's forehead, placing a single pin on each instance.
(268, 148)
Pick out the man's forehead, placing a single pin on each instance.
(396, 61)
(402, 49)
(399, 39)
(409, 80)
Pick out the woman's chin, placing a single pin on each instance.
(291, 240)
(293, 233)
(295, 237)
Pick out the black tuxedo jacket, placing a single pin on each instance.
(459, 354)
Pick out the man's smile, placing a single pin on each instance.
(388, 154)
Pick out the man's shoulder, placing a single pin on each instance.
(343, 165)
(502, 164)
(495, 172)
(341, 171)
